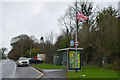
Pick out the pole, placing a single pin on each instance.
(70, 18)
(30, 50)
(76, 38)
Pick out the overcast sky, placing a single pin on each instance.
(34, 17)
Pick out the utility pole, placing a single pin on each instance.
(76, 38)
(70, 18)
(30, 50)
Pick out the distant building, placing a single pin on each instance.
(119, 8)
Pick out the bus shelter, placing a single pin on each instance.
(67, 58)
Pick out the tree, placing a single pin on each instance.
(49, 48)
(108, 34)
(65, 42)
(33, 52)
(2, 50)
(21, 44)
(98, 36)
(58, 42)
(87, 29)
(0, 55)
(18, 38)
(68, 20)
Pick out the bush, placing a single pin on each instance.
(33, 52)
(115, 66)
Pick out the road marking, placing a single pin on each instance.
(38, 72)
(13, 75)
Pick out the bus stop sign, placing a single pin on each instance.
(71, 42)
(77, 43)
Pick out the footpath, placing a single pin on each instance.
(54, 73)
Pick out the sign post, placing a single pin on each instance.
(81, 18)
(76, 43)
(72, 43)
(30, 54)
(76, 36)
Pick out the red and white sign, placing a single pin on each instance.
(76, 43)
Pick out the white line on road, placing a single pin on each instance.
(13, 75)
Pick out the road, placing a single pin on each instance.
(26, 72)
(9, 70)
(0, 69)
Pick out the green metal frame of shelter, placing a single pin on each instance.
(66, 57)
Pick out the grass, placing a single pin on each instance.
(47, 66)
(89, 72)
(93, 72)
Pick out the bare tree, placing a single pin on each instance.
(68, 20)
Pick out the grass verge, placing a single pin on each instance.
(47, 66)
(93, 72)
